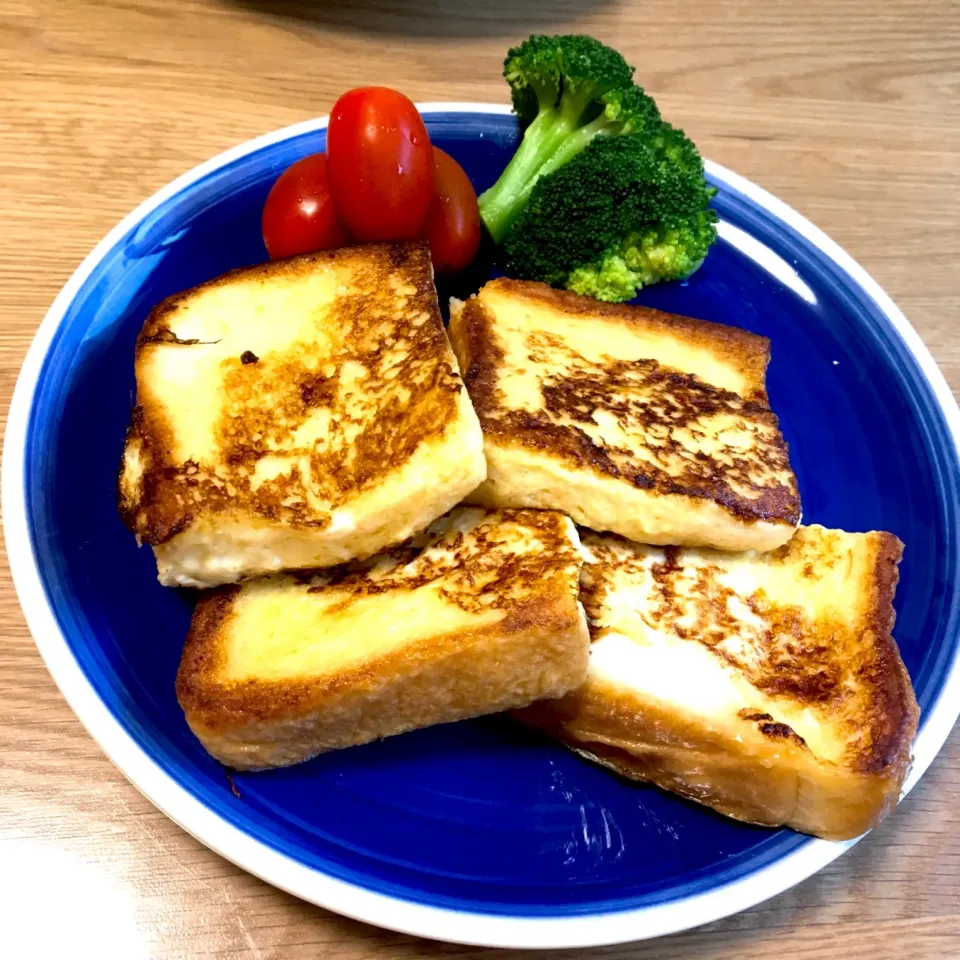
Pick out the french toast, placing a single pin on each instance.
(476, 615)
(653, 426)
(299, 413)
(767, 686)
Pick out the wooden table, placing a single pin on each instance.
(848, 111)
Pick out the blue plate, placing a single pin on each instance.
(479, 832)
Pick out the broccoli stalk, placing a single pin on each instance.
(625, 110)
(566, 90)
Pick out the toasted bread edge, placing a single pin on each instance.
(750, 351)
(539, 650)
(771, 781)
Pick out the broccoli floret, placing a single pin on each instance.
(566, 90)
(625, 212)
(674, 147)
(670, 251)
(565, 72)
(603, 196)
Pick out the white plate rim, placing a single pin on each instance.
(480, 929)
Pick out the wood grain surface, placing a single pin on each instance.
(849, 111)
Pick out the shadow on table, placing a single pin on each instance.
(431, 18)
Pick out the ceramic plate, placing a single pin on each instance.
(478, 832)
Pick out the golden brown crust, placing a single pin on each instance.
(474, 570)
(664, 404)
(222, 707)
(749, 351)
(203, 656)
(831, 662)
(776, 782)
(537, 648)
(475, 574)
(404, 395)
(474, 674)
(893, 712)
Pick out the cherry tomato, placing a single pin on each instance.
(380, 164)
(299, 215)
(452, 227)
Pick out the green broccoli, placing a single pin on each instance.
(602, 196)
(670, 251)
(625, 212)
(567, 90)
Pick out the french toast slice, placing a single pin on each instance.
(767, 686)
(476, 615)
(298, 413)
(653, 426)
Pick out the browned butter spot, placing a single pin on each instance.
(483, 568)
(781, 731)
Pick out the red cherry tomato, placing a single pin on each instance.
(380, 164)
(299, 215)
(452, 227)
